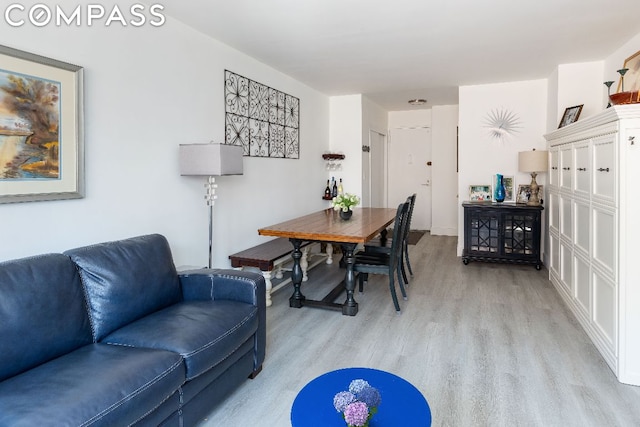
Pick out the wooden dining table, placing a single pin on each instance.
(327, 226)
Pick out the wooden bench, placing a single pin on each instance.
(270, 256)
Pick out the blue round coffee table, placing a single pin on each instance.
(402, 403)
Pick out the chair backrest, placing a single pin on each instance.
(412, 202)
(402, 216)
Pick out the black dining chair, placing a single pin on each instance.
(385, 263)
(383, 245)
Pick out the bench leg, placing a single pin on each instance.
(268, 287)
(329, 253)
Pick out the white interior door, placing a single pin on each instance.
(410, 172)
(374, 171)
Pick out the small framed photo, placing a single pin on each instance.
(509, 194)
(480, 193)
(524, 192)
(570, 115)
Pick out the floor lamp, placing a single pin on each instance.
(210, 160)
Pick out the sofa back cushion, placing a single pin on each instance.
(43, 312)
(126, 280)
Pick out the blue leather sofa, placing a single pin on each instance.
(111, 334)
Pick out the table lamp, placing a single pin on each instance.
(210, 160)
(533, 162)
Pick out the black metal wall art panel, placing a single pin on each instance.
(264, 121)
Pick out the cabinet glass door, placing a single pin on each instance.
(518, 234)
(484, 232)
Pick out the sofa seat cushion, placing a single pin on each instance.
(203, 332)
(98, 384)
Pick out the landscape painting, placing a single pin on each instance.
(29, 127)
(41, 145)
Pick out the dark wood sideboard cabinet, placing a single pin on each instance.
(502, 232)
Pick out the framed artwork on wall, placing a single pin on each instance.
(41, 128)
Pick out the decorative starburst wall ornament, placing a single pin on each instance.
(502, 123)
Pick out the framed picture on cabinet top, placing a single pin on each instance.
(570, 115)
(507, 180)
(480, 193)
(524, 192)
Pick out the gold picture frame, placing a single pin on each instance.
(41, 128)
(632, 76)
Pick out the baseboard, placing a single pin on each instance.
(444, 231)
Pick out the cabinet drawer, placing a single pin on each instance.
(566, 168)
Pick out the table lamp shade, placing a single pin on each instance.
(210, 159)
(532, 161)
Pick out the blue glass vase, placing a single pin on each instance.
(500, 192)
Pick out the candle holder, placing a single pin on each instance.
(622, 72)
(608, 85)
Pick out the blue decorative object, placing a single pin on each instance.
(500, 190)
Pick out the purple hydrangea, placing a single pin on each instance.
(342, 399)
(357, 385)
(370, 396)
(356, 414)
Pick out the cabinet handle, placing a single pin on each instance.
(554, 167)
(603, 169)
(632, 140)
(566, 169)
(582, 169)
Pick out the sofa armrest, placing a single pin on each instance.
(235, 285)
(227, 284)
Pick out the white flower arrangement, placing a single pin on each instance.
(345, 202)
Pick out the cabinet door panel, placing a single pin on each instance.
(566, 168)
(554, 254)
(604, 238)
(566, 218)
(566, 267)
(604, 306)
(554, 168)
(554, 212)
(604, 168)
(582, 284)
(582, 168)
(582, 226)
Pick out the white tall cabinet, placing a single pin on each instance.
(593, 215)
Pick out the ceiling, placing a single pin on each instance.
(393, 51)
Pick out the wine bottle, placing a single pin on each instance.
(327, 191)
(340, 190)
(334, 190)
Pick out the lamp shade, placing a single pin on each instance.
(532, 161)
(210, 159)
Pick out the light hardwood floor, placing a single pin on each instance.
(487, 345)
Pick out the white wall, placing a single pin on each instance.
(578, 84)
(481, 157)
(616, 60)
(345, 136)
(443, 122)
(146, 91)
(444, 211)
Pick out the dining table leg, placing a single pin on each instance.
(350, 306)
(297, 299)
